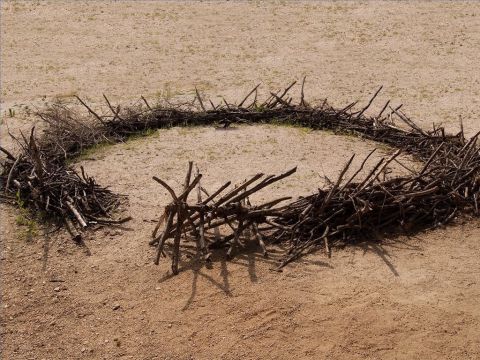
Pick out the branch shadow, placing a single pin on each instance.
(379, 250)
(249, 257)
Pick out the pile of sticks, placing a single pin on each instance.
(375, 207)
(55, 189)
(220, 209)
(351, 210)
(348, 210)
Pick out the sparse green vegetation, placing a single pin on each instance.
(89, 152)
(144, 133)
(98, 148)
(289, 124)
(28, 225)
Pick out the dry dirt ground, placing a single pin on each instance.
(415, 298)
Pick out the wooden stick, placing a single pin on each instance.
(76, 236)
(262, 185)
(90, 110)
(248, 95)
(279, 98)
(6, 152)
(176, 241)
(259, 239)
(236, 237)
(334, 188)
(370, 102)
(146, 103)
(302, 95)
(10, 173)
(214, 195)
(200, 99)
(166, 186)
(186, 183)
(201, 230)
(159, 223)
(115, 113)
(383, 109)
(164, 236)
(76, 213)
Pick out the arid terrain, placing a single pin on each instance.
(410, 298)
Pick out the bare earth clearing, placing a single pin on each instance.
(415, 298)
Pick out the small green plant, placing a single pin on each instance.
(11, 112)
(259, 108)
(96, 149)
(88, 153)
(29, 226)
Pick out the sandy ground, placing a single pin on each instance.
(416, 298)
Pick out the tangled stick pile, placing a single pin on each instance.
(48, 186)
(349, 210)
(218, 209)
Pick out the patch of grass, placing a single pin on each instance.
(130, 142)
(259, 108)
(288, 124)
(28, 225)
(144, 133)
(89, 152)
(98, 148)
